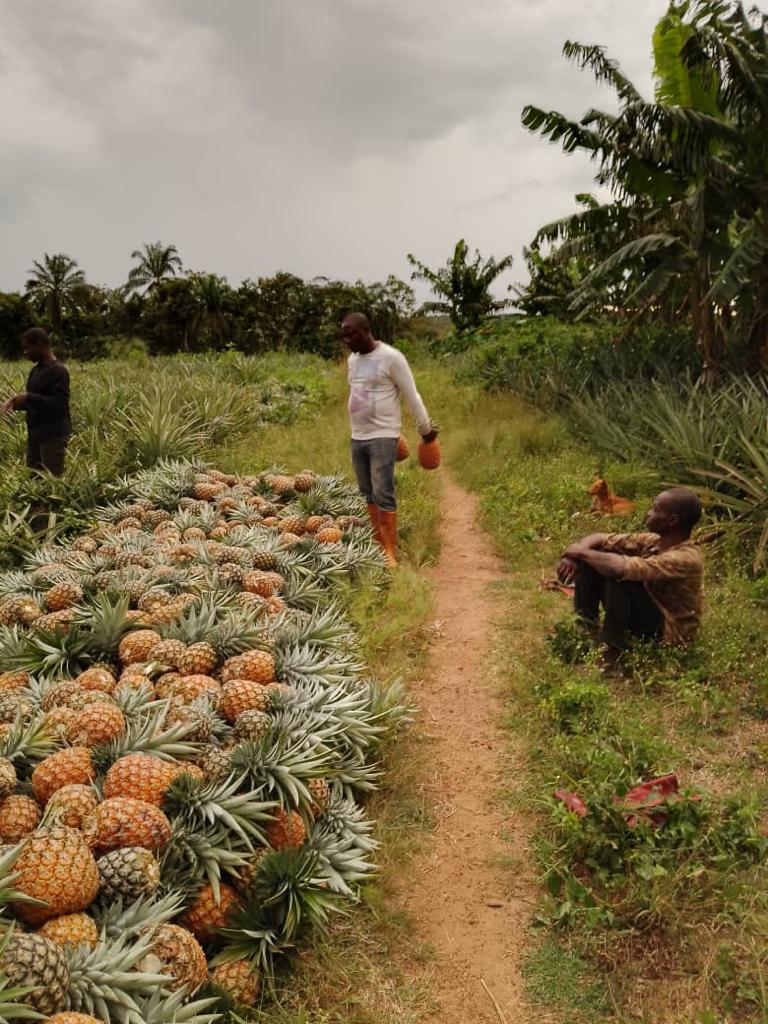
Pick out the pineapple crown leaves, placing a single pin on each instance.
(209, 806)
(145, 735)
(164, 484)
(116, 919)
(165, 1007)
(105, 620)
(355, 774)
(189, 859)
(26, 743)
(326, 629)
(341, 862)
(56, 654)
(263, 947)
(216, 621)
(18, 582)
(278, 766)
(8, 894)
(303, 662)
(288, 897)
(137, 702)
(105, 981)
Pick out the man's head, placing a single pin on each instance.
(356, 333)
(36, 344)
(675, 511)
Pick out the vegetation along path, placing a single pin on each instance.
(460, 905)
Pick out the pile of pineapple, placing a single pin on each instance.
(186, 731)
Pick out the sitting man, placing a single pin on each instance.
(649, 584)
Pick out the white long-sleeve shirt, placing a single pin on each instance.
(377, 381)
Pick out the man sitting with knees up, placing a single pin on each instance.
(649, 584)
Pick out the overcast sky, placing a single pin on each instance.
(317, 136)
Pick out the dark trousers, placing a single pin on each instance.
(628, 608)
(48, 454)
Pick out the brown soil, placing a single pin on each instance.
(457, 892)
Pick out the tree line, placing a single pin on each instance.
(684, 235)
(163, 308)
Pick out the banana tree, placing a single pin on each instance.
(464, 286)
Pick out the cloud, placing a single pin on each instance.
(326, 137)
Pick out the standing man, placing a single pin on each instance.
(46, 403)
(378, 377)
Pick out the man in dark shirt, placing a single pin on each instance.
(46, 404)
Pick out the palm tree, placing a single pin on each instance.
(54, 288)
(157, 262)
(465, 287)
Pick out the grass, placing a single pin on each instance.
(673, 919)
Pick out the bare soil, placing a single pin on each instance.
(464, 902)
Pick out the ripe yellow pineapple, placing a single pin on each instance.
(215, 763)
(185, 689)
(58, 720)
(177, 953)
(242, 695)
(258, 666)
(275, 605)
(18, 608)
(13, 680)
(98, 679)
(34, 961)
(328, 535)
(55, 622)
(205, 916)
(71, 930)
(141, 776)
(197, 659)
(292, 524)
(95, 724)
(8, 777)
(240, 980)
(73, 1018)
(19, 815)
(64, 768)
(122, 821)
(137, 646)
(287, 540)
(321, 796)
(56, 866)
(287, 831)
(265, 584)
(63, 595)
(71, 805)
(168, 652)
(304, 481)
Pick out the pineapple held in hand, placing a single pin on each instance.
(429, 454)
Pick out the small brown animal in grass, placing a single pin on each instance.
(605, 503)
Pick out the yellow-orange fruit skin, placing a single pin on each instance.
(55, 865)
(122, 821)
(64, 768)
(204, 918)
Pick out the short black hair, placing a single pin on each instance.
(359, 320)
(36, 335)
(686, 505)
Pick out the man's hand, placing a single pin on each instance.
(10, 404)
(566, 569)
(430, 437)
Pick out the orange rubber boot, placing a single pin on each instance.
(373, 515)
(388, 528)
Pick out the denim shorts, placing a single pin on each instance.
(374, 464)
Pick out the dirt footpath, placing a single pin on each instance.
(457, 894)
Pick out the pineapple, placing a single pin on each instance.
(71, 930)
(239, 980)
(137, 646)
(197, 659)
(13, 704)
(321, 796)
(13, 680)
(275, 605)
(252, 725)
(287, 540)
(8, 778)
(65, 767)
(292, 524)
(242, 695)
(185, 689)
(287, 831)
(73, 1018)
(98, 679)
(265, 584)
(168, 652)
(122, 821)
(208, 915)
(198, 716)
(34, 961)
(129, 874)
(18, 609)
(55, 866)
(55, 622)
(178, 954)
(19, 815)
(98, 723)
(216, 763)
(304, 481)
(71, 805)
(63, 595)
(141, 776)
(266, 561)
(328, 535)
(258, 666)
(59, 696)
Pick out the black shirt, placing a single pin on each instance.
(47, 404)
